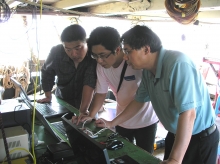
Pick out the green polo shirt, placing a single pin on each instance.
(177, 87)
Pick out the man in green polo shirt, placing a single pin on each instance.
(179, 96)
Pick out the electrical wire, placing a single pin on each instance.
(90, 133)
(99, 132)
(18, 148)
(20, 105)
(36, 81)
(23, 34)
(71, 11)
(85, 122)
(101, 129)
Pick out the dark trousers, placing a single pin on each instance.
(144, 136)
(201, 150)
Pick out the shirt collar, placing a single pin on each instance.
(159, 62)
(66, 57)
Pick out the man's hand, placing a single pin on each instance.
(81, 118)
(47, 99)
(170, 161)
(81, 114)
(44, 100)
(103, 123)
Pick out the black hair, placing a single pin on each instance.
(140, 36)
(108, 37)
(73, 33)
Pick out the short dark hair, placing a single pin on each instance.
(140, 36)
(106, 36)
(73, 33)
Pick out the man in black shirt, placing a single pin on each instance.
(74, 68)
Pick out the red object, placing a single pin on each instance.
(212, 61)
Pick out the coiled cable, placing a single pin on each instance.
(183, 11)
(4, 11)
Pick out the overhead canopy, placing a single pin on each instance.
(150, 10)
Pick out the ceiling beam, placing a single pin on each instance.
(209, 16)
(70, 4)
(120, 7)
(145, 6)
(13, 4)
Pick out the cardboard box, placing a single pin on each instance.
(17, 138)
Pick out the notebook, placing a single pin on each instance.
(57, 129)
(59, 134)
(44, 112)
(52, 109)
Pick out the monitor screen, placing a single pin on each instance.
(23, 93)
(82, 144)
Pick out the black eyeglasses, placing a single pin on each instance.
(94, 56)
